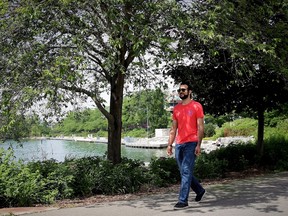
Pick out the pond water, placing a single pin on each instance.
(32, 150)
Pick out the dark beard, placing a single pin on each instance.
(184, 97)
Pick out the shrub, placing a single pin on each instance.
(208, 166)
(126, 177)
(209, 130)
(19, 186)
(238, 156)
(163, 171)
(275, 153)
(238, 127)
(56, 178)
(280, 130)
(84, 172)
(219, 132)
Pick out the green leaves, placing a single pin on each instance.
(148, 108)
(88, 121)
(17, 184)
(84, 47)
(3, 7)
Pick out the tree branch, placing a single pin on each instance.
(89, 94)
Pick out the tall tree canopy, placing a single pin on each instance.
(58, 49)
(242, 57)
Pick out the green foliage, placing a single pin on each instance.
(47, 181)
(209, 129)
(233, 158)
(238, 157)
(56, 179)
(208, 166)
(276, 125)
(36, 127)
(219, 120)
(142, 109)
(238, 127)
(61, 51)
(23, 126)
(146, 110)
(126, 177)
(279, 130)
(19, 186)
(275, 153)
(89, 121)
(219, 132)
(274, 117)
(163, 171)
(136, 133)
(15, 129)
(276, 122)
(84, 175)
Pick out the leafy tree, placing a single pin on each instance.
(61, 49)
(86, 121)
(19, 129)
(36, 126)
(242, 62)
(145, 109)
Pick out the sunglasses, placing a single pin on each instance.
(181, 90)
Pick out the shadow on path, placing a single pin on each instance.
(261, 194)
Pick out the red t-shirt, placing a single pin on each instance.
(186, 117)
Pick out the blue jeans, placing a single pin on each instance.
(185, 157)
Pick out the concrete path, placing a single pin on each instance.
(265, 195)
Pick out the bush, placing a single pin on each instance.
(233, 158)
(56, 179)
(238, 157)
(163, 171)
(126, 177)
(19, 185)
(238, 127)
(275, 153)
(84, 172)
(207, 166)
(279, 130)
(209, 130)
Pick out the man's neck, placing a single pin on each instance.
(186, 101)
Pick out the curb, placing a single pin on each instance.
(24, 210)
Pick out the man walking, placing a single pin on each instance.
(188, 124)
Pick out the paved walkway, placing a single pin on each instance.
(266, 195)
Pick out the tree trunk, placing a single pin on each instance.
(115, 122)
(260, 140)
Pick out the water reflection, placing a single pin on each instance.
(59, 149)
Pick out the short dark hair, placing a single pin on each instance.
(187, 83)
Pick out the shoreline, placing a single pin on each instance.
(155, 142)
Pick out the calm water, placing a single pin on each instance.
(60, 149)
